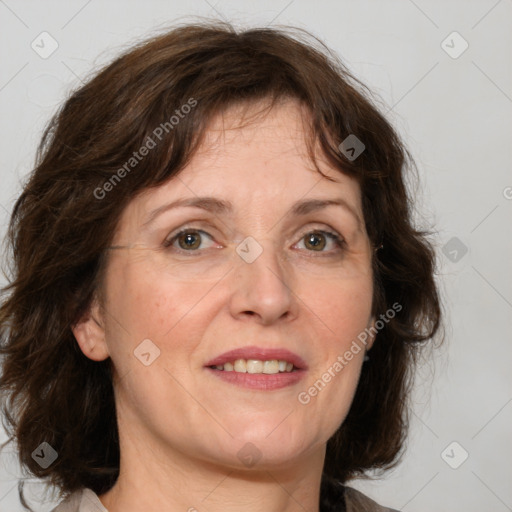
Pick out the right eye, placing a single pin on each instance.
(189, 240)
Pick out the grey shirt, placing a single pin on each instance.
(87, 500)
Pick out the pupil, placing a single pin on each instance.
(312, 242)
(189, 240)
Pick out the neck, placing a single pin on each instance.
(172, 481)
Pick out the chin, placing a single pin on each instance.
(270, 448)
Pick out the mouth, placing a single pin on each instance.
(268, 367)
(258, 360)
(259, 368)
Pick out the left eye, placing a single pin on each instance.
(316, 239)
(189, 240)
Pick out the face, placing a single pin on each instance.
(187, 285)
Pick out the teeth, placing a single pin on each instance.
(240, 366)
(271, 366)
(256, 366)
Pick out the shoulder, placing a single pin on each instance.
(356, 501)
(83, 500)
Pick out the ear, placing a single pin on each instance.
(89, 332)
(372, 334)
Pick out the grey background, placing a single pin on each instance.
(455, 115)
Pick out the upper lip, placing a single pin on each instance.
(262, 354)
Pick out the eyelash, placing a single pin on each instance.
(340, 242)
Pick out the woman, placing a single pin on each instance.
(218, 295)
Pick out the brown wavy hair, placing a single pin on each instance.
(69, 207)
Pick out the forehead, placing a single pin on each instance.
(252, 131)
(254, 158)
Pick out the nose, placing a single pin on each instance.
(262, 284)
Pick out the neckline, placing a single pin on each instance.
(89, 497)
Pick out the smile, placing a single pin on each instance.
(259, 368)
(268, 367)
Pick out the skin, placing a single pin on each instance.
(180, 426)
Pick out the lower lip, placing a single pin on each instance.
(263, 381)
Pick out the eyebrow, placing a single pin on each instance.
(224, 207)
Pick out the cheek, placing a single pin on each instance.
(342, 314)
(343, 310)
(136, 297)
(144, 304)
(137, 301)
